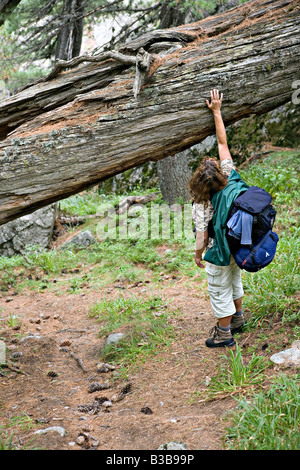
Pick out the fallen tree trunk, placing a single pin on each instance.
(88, 122)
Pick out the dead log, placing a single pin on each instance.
(131, 200)
(86, 124)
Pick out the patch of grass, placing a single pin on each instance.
(270, 420)
(6, 440)
(277, 174)
(53, 261)
(271, 292)
(143, 321)
(23, 421)
(82, 204)
(236, 376)
(13, 321)
(19, 423)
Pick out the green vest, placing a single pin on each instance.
(219, 253)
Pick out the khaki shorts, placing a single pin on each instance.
(224, 286)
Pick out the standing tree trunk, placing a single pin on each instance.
(174, 172)
(172, 15)
(70, 35)
(74, 129)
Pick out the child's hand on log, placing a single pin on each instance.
(216, 102)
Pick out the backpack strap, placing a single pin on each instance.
(253, 251)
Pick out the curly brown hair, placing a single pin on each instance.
(207, 180)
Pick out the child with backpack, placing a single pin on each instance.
(233, 224)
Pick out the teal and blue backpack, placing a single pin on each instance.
(261, 251)
(238, 196)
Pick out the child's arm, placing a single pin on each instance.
(215, 107)
(201, 242)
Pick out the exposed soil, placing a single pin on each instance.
(162, 401)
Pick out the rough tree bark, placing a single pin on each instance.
(84, 125)
(174, 174)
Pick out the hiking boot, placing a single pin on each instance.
(219, 338)
(237, 324)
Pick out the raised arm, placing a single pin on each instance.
(215, 107)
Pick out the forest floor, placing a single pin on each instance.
(161, 401)
(58, 307)
(165, 386)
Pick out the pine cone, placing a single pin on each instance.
(84, 408)
(96, 386)
(16, 354)
(65, 343)
(126, 389)
(51, 373)
(146, 410)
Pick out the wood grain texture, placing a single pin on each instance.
(65, 134)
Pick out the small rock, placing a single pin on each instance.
(84, 238)
(158, 314)
(44, 316)
(58, 429)
(114, 338)
(172, 446)
(207, 380)
(86, 440)
(81, 440)
(95, 442)
(107, 404)
(289, 356)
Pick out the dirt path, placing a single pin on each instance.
(161, 402)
